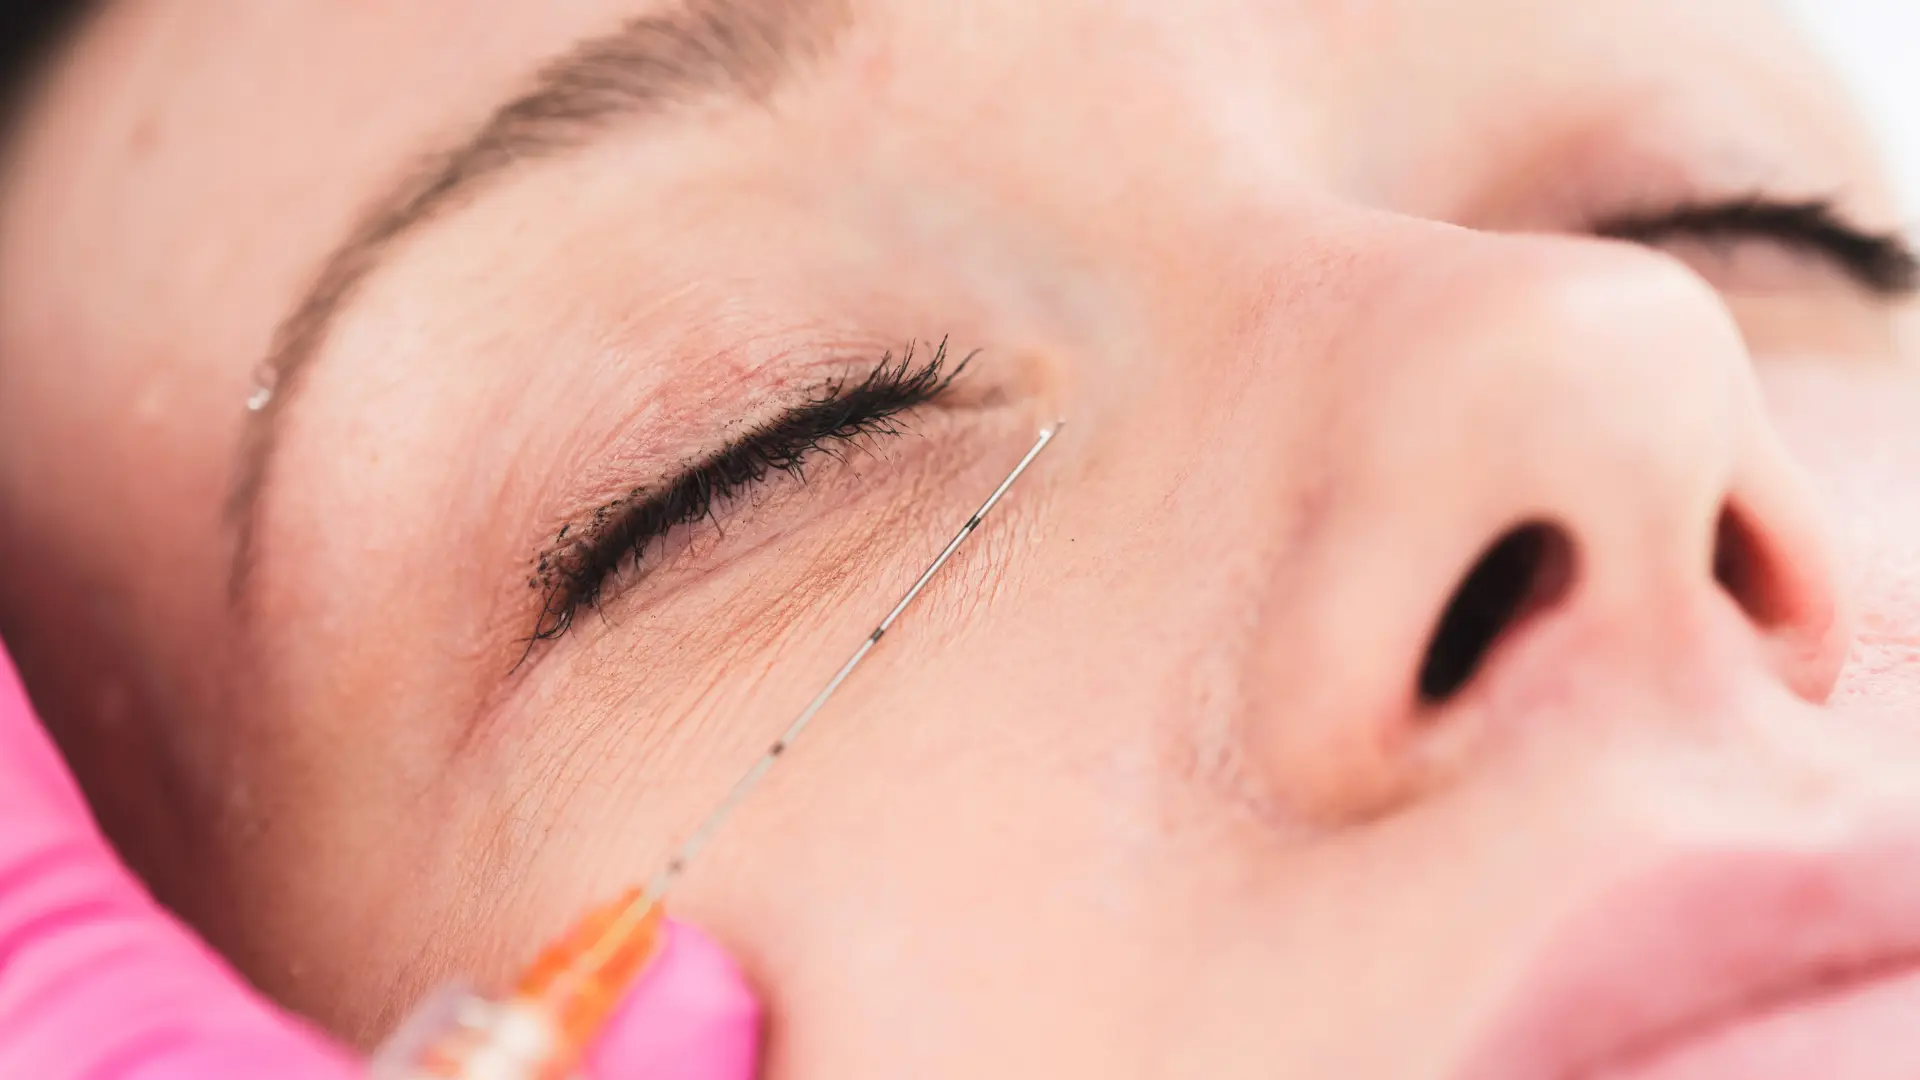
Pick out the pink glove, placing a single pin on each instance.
(97, 981)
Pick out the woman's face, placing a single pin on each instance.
(1182, 767)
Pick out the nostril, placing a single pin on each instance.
(1741, 567)
(1526, 571)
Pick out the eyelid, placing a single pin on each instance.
(1884, 263)
(588, 556)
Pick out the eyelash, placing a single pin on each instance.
(1883, 263)
(576, 573)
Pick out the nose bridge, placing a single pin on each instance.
(1525, 431)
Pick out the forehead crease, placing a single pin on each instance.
(700, 50)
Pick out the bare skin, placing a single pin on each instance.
(1148, 787)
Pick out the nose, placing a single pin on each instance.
(1544, 468)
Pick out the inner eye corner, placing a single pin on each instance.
(1529, 569)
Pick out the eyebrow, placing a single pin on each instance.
(741, 50)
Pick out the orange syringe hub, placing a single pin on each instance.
(581, 978)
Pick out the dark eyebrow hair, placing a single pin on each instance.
(741, 49)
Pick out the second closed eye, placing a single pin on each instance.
(1884, 264)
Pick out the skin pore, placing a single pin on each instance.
(1147, 785)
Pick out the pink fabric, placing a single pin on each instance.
(97, 982)
(691, 1018)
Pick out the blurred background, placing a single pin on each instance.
(1878, 44)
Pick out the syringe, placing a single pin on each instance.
(542, 1029)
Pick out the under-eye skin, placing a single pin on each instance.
(1884, 264)
(588, 558)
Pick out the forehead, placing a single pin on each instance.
(263, 132)
(274, 127)
(323, 103)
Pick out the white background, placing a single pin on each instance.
(1878, 45)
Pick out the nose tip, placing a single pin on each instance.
(1663, 492)
(1561, 433)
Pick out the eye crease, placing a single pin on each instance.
(1882, 263)
(585, 559)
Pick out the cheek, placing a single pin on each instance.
(1852, 427)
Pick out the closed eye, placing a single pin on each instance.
(588, 558)
(1884, 263)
